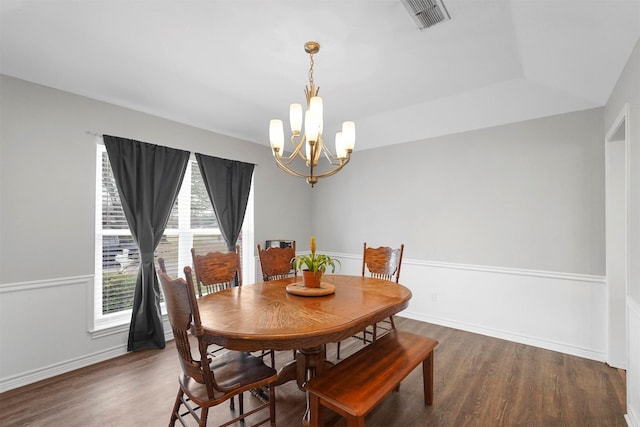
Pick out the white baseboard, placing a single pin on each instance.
(506, 335)
(633, 371)
(35, 375)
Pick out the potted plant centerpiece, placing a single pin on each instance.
(314, 265)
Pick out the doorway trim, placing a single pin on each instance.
(619, 133)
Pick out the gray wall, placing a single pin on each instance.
(527, 195)
(47, 178)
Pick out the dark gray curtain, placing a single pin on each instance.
(148, 178)
(228, 183)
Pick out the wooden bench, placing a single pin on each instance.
(353, 387)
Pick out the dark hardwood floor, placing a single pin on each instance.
(479, 381)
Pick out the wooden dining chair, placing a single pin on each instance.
(275, 263)
(208, 381)
(216, 270)
(381, 263)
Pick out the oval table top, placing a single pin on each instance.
(265, 316)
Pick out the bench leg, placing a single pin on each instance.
(427, 379)
(355, 421)
(316, 412)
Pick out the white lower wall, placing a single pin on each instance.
(46, 330)
(633, 371)
(556, 311)
(561, 312)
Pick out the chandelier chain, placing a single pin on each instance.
(311, 69)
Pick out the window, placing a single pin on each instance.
(192, 224)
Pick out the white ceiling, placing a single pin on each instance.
(231, 65)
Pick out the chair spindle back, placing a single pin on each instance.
(383, 262)
(216, 270)
(276, 262)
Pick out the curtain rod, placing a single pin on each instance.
(101, 135)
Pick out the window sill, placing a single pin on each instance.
(109, 330)
(118, 325)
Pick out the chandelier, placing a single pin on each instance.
(308, 146)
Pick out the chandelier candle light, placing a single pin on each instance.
(311, 140)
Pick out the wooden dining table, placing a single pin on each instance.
(265, 316)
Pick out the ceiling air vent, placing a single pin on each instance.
(426, 13)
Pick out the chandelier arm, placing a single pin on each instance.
(284, 166)
(333, 160)
(303, 140)
(334, 170)
(329, 155)
(298, 151)
(290, 170)
(310, 177)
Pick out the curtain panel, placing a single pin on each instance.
(228, 183)
(148, 178)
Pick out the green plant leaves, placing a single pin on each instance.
(315, 262)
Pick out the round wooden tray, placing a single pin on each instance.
(301, 290)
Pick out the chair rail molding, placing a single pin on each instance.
(46, 283)
(587, 278)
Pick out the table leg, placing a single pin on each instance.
(309, 363)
